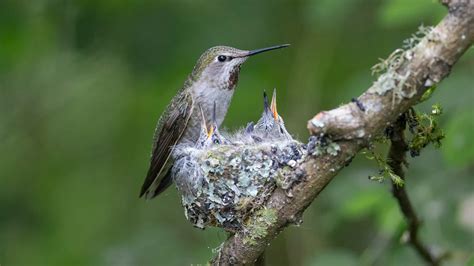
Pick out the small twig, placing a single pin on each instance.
(261, 260)
(396, 159)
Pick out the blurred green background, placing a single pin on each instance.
(83, 82)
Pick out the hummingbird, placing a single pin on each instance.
(205, 133)
(271, 124)
(214, 135)
(210, 135)
(213, 79)
(280, 124)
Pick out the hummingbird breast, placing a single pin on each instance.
(205, 97)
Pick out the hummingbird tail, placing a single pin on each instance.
(162, 186)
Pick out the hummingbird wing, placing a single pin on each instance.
(168, 132)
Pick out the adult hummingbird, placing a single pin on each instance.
(213, 79)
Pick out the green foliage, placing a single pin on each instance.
(425, 129)
(384, 169)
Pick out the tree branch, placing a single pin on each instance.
(353, 127)
(396, 159)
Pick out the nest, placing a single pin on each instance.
(223, 184)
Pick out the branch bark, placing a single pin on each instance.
(354, 125)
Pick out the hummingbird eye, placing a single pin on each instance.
(222, 58)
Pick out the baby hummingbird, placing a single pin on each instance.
(271, 124)
(213, 79)
(212, 135)
(280, 124)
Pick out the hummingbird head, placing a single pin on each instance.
(266, 121)
(221, 64)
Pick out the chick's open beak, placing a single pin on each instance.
(273, 106)
(210, 132)
(208, 129)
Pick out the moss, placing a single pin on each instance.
(425, 130)
(419, 35)
(387, 70)
(428, 93)
(385, 171)
(257, 228)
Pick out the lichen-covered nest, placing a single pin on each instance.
(222, 184)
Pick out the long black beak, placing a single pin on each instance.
(261, 50)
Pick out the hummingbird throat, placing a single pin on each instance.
(234, 77)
